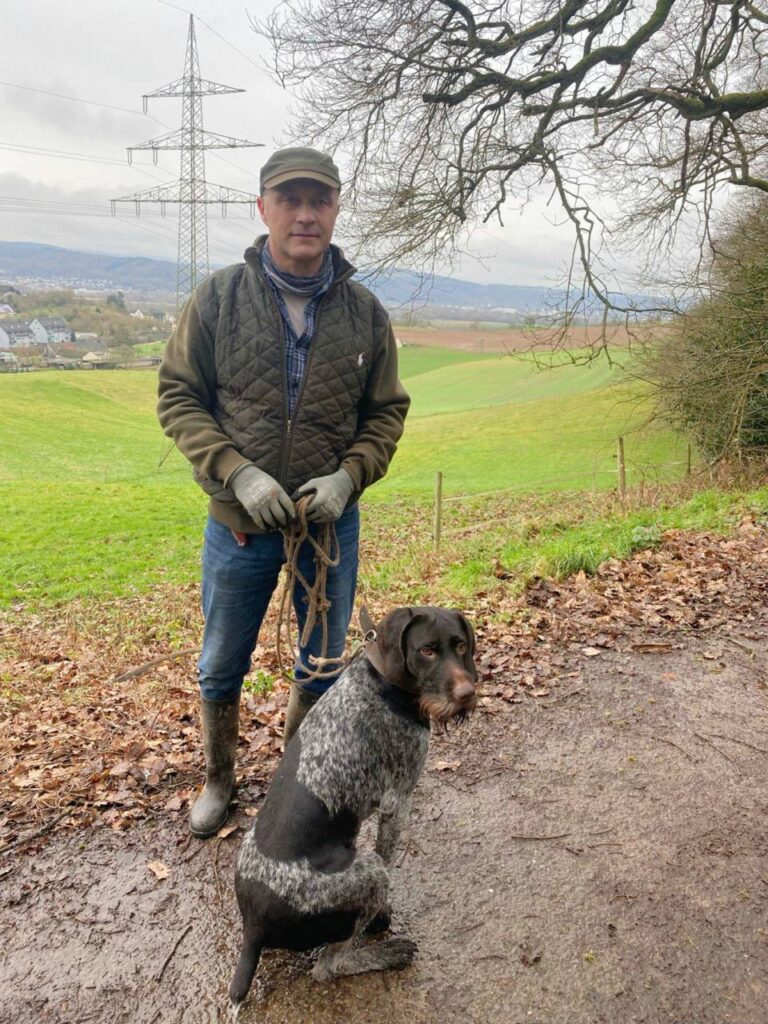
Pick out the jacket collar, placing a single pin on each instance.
(342, 268)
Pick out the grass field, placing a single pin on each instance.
(96, 501)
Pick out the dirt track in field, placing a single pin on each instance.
(514, 340)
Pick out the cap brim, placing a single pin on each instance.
(280, 179)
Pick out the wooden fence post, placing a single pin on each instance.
(622, 468)
(437, 517)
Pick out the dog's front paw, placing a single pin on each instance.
(394, 954)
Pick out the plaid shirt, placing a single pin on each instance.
(297, 346)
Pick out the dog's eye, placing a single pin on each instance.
(428, 652)
(461, 647)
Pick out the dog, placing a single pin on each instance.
(300, 880)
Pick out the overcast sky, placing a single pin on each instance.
(62, 160)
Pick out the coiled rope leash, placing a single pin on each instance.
(327, 556)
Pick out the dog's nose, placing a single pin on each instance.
(463, 691)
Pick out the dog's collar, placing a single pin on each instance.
(373, 654)
(402, 699)
(402, 702)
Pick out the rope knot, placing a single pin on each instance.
(326, 556)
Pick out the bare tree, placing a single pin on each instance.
(631, 112)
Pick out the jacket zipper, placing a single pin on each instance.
(286, 448)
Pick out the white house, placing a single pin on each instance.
(51, 329)
(14, 333)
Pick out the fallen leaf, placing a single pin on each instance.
(158, 869)
(447, 766)
(226, 831)
(528, 956)
(590, 652)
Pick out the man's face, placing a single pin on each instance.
(300, 216)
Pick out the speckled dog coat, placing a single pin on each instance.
(362, 748)
(301, 882)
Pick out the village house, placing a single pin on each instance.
(51, 329)
(43, 330)
(16, 333)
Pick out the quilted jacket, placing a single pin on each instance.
(222, 386)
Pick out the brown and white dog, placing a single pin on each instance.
(301, 882)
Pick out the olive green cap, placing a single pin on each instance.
(299, 162)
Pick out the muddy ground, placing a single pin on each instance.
(599, 855)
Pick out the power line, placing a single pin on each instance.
(191, 192)
(79, 99)
(186, 10)
(68, 155)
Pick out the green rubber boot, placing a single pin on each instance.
(220, 721)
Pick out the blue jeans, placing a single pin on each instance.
(238, 583)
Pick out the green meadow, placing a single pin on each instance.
(97, 503)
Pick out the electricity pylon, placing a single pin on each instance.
(192, 192)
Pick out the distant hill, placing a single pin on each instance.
(73, 269)
(48, 265)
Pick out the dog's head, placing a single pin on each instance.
(430, 652)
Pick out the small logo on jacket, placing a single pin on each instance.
(361, 359)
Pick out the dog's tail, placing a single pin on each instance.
(246, 967)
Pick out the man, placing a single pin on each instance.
(280, 380)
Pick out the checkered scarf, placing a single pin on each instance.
(297, 346)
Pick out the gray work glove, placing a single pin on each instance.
(263, 498)
(331, 495)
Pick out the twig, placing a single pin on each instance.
(488, 775)
(443, 776)
(216, 870)
(737, 643)
(557, 700)
(34, 835)
(151, 728)
(198, 847)
(176, 945)
(560, 835)
(410, 844)
(671, 743)
(141, 669)
(732, 739)
(704, 739)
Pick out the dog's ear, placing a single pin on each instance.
(390, 640)
(469, 657)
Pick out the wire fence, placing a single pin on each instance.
(595, 477)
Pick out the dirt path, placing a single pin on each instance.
(599, 856)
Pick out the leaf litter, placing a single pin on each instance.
(86, 739)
